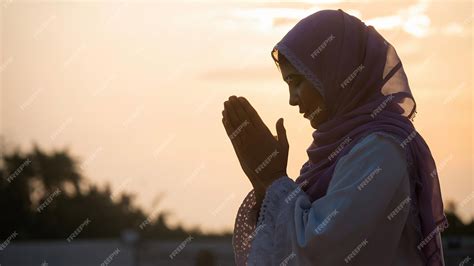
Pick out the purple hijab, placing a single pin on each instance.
(365, 89)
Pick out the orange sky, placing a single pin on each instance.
(135, 90)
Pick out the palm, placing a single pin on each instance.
(262, 156)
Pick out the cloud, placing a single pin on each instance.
(416, 21)
(283, 21)
(453, 29)
(413, 19)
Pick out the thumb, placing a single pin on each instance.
(281, 132)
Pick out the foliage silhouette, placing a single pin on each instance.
(44, 196)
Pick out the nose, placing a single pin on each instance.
(293, 99)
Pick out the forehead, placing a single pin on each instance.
(286, 67)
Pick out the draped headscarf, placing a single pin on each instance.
(365, 90)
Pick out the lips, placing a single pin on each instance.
(308, 115)
(305, 114)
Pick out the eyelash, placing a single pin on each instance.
(296, 83)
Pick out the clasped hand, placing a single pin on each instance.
(262, 156)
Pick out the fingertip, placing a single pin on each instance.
(280, 121)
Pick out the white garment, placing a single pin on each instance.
(364, 219)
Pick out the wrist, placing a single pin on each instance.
(259, 195)
(273, 177)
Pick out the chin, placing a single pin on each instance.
(314, 124)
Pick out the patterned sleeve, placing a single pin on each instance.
(244, 228)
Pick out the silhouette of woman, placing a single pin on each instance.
(369, 193)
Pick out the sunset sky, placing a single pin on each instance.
(135, 90)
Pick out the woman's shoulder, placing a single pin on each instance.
(378, 144)
(376, 154)
(380, 138)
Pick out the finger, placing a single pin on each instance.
(255, 119)
(231, 132)
(225, 121)
(239, 109)
(234, 140)
(281, 131)
(232, 115)
(239, 122)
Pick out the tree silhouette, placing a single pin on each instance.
(56, 170)
(43, 195)
(456, 225)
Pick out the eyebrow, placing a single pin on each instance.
(291, 75)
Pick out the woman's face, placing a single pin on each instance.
(303, 94)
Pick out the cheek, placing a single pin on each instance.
(310, 97)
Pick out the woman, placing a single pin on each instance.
(369, 193)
